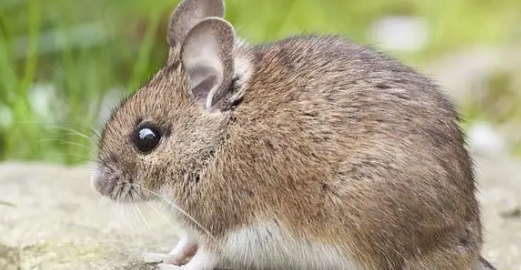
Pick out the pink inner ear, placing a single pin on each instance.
(200, 92)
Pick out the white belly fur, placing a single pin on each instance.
(268, 247)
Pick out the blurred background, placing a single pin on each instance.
(64, 64)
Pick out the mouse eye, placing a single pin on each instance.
(146, 138)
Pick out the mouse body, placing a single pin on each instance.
(310, 152)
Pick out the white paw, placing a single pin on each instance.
(202, 260)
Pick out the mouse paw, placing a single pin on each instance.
(181, 254)
(202, 260)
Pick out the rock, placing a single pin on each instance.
(499, 181)
(9, 258)
(58, 221)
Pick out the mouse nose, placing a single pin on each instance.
(94, 180)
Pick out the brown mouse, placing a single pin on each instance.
(311, 152)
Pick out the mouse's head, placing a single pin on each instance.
(162, 137)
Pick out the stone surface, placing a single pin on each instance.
(59, 222)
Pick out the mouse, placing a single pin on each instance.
(308, 152)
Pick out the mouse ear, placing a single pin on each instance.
(189, 13)
(207, 56)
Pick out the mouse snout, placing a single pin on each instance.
(103, 183)
(98, 183)
(116, 185)
(94, 179)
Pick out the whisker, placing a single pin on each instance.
(121, 189)
(138, 219)
(59, 127)
(77, 133)
(130, 193)
(95, 132)
(70, 143)
(160, 214)
(124, 192)
(91, 140)
(141, 215)
(87, 158)
(101, 202)
(180, 210)
(127, 190)
(120, 211)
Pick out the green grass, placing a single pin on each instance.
(127, 45)
(4, 203)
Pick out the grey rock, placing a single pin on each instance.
(500, 195)
(9, 258)
(58, 221)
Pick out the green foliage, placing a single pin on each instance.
(82, 49)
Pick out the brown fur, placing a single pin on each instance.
(335, 142)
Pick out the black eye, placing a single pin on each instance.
(146, 138)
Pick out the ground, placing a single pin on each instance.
(58, 221)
